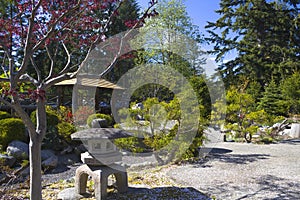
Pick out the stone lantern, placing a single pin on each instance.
(101, 160)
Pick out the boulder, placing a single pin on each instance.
(18, 149)
(50, 162)
(47, 153)
(7, 160)
(295, 131)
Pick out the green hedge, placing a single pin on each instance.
(11, 129)
(108, 118)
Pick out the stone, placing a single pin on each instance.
(25, 172)
(100, 133)
(99, 123)
(50, 162)
(70, 194)
(18, 149)
(295, 131)
(100, 177)
(47, 153)
(7, 160)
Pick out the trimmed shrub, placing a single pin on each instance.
(52, 118)
(11, 129)
(108, 118)
(4, 115)
(51, 140)
(65, 130)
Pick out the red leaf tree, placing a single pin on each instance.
(29, 27)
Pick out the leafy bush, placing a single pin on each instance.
(108, 118)
(65, 130)
(52, 118)
(11, 129)
(51, 139)
(4, 115)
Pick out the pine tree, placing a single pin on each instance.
(265, 35)
(272, 101)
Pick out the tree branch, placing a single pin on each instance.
(38, 72)
(68, 62)
(27, 50)
(52, 27)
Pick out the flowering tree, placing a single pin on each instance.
(28, 29)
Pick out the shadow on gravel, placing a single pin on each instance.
(280, 189)
(161, 193)
(291, 141)
(225, 155)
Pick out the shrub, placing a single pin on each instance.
(65, 130)
(11, 129)
(51, 139)
(4, 115)
(52, 118)
(108, 118)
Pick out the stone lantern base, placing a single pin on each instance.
(100, 177)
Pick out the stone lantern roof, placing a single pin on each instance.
(100, 133)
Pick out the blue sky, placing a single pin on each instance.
(200, 11)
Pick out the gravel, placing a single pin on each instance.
(245, 171)
(229, 171)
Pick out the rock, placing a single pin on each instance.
(18, 149)
(25, 172)
(70, 194)
(7, 160)
(69, 149)
(2, 176)
(80, 149)
(50, 162)
(295, 131)
(99, 123)
(47, 153)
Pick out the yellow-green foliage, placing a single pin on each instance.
(4, 115)
(65, 129)
(11, 129)
(52, 118)
(108, 118)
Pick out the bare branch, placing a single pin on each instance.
(52, 60)
(27, 50)
(110, 67)
(52, 27)
(38, 72)
(26, 77)
(57, 79)
(68, 62)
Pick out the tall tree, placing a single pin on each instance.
(168, 29)
(273, 101)
(33, 26)
(265, 35)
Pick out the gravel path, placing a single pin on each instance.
(245, 171)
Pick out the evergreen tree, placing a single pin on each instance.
(272, 101)
(291, 92)
(265, 35)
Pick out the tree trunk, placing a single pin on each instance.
(35, 145)
(35, 168)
